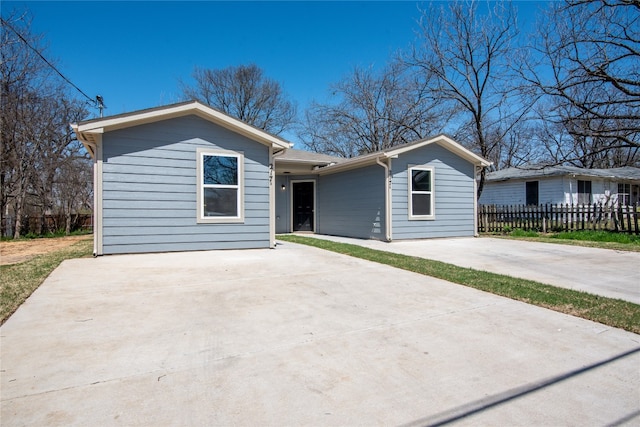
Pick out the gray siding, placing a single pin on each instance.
(149, 189)
(454, 195)
(283, 207)
(351, 203)
(283, 200)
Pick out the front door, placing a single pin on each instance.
(303, 209)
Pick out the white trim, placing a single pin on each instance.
(292, 207)
(442, 140)
(410, 192)
(272, 199)
(201, 218)
(98, 194)
(98, 232)
(476, 171)
(86, 131)
(387, 198)
(448, 143)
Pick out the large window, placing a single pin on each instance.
(531, 189)
(584, 192)
(220, 196)
(421, 193)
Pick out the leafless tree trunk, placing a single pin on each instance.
(374, 111)
(73, 188)
(18, 68)
(35, 135)
(469, 52)
(588, 71)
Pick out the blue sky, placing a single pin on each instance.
(133, 53)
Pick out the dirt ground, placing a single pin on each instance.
(24, 250)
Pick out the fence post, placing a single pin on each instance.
(494, 218)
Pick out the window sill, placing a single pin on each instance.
(220, 220)
(422, 218)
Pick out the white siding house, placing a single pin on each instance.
(561, 185)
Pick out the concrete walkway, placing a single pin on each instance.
(300, 336)
(610, 273)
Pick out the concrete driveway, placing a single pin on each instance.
(610, 273)
(299, 336)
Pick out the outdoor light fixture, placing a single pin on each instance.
(284, 187)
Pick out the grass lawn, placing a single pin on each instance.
(591, 239)
(18, 281)
(608, 311)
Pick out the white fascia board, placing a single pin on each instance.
(89, 140)
(449, 144)
(207, 113)
(312, 162)
(355, 163)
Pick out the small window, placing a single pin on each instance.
(531, 189)
(624, 193)
(584, 192)
(220, 197)
(421, 193)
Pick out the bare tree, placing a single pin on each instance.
(58, 148)
(375, 111)
(19, 71)
(587, 68)
(469, 49)
(72, 190)
(245, 93)
(35, 138)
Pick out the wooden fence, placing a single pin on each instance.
(46, 223)
(545, 218)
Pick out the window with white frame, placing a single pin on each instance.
(220, 190)
(584, 192)
(624, 193)
(421, 192)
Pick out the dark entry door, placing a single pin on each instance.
(303, 206)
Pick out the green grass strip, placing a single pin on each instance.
(18, 281)
(589, 239)
(608, 311)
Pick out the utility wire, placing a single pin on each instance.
(5, 23)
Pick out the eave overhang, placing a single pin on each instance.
(87, 131)
(371, 159)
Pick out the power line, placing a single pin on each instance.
(97, 101)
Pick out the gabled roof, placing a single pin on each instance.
(624, 173)
(86, 131)
(303, 156)
(371, 158)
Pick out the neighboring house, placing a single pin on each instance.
(561, 185)
(188, 177)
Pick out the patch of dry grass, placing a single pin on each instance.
(19, 281)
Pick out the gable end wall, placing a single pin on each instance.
(149, 189)
(454, 195)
